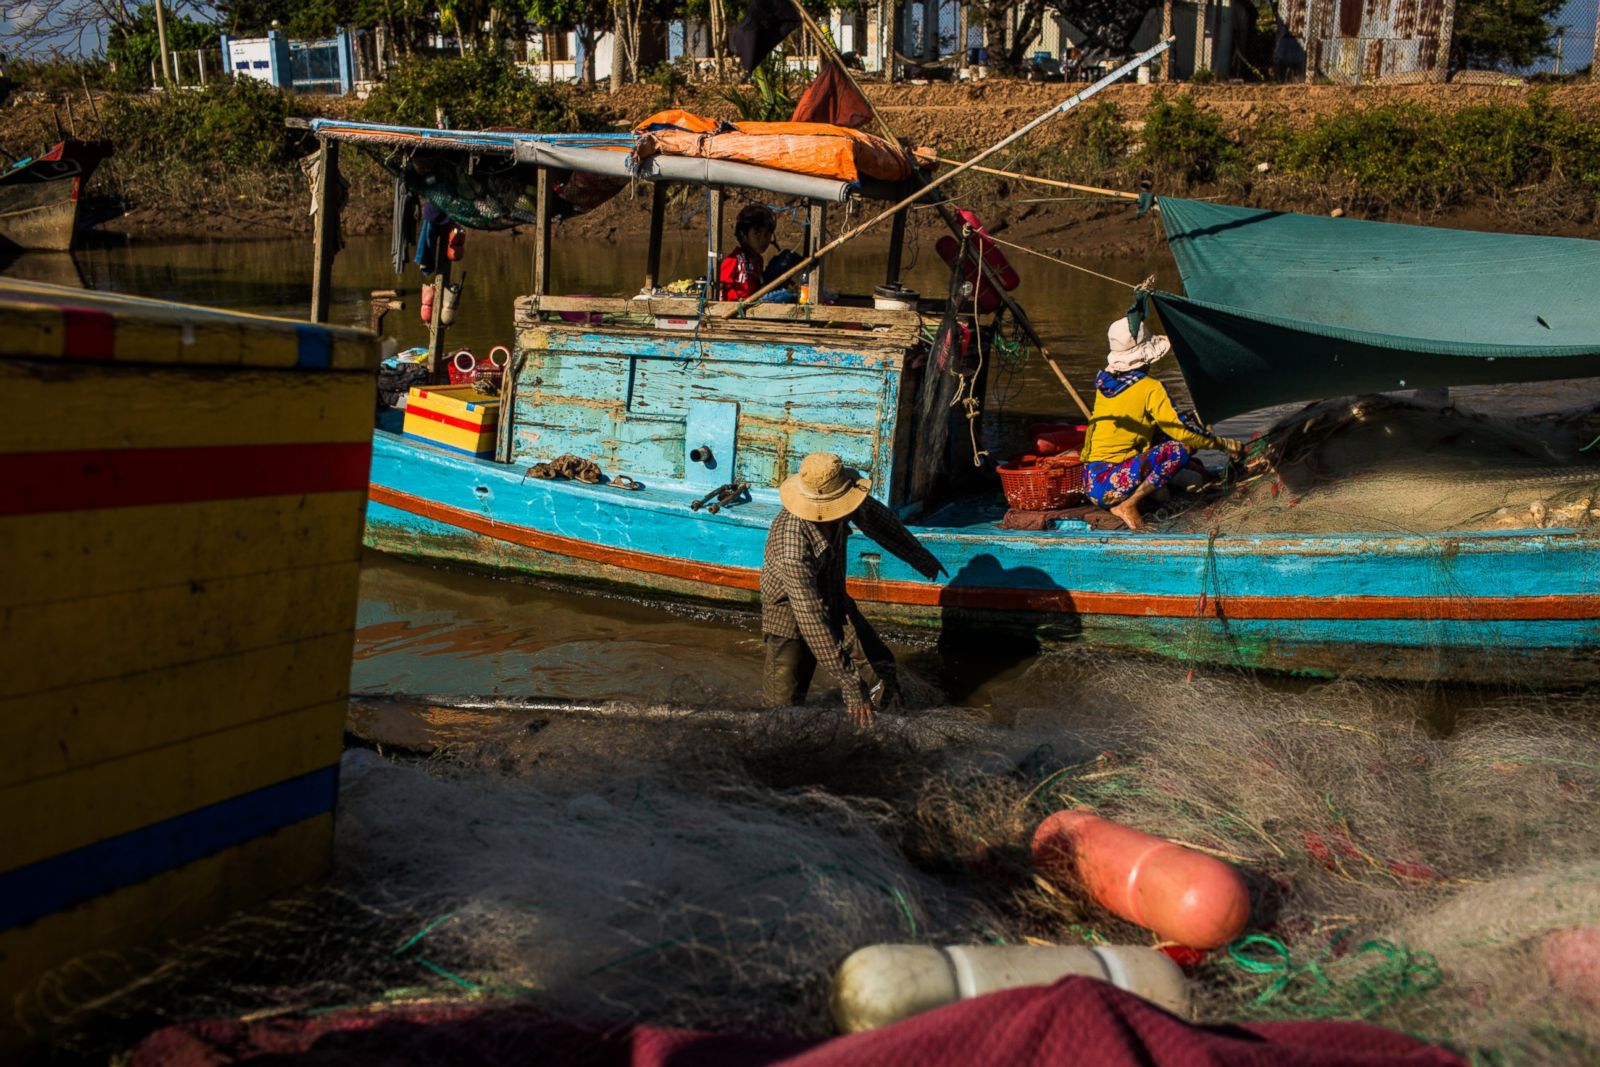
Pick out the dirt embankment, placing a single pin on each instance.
(957, 119)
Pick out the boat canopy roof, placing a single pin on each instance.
(617, 156)
(1280, 307)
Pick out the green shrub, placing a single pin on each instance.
(1180, 138)
(1410, 154)
(1099, 134)
(236, 122)
(476, 91)
(1395, 149)
(57, 75)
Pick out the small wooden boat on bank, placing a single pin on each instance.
(181, 493)
(39, 197)
(685, 394)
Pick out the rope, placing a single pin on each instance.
(1062, 262)
(1306, 991)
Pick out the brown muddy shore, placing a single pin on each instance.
(957, 119)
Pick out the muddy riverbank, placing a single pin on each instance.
(185, 198)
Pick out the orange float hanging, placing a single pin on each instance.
(1180, 894)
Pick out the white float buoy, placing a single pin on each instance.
(882, 984)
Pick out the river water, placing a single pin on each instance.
(430, 631)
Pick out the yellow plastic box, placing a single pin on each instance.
(457, 417)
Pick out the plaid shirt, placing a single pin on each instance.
(802, 580)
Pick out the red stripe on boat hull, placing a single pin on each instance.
(33, 483)
(1466, 609)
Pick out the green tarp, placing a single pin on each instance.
(1281, 307)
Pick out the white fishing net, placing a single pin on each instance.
(1384, 464)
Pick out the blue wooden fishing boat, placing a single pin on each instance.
(685, 394)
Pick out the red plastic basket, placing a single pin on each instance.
(1031, 485)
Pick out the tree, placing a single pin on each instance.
(1109, 24)
(131, 49)
(1503, 34)
(1018, 21)
(81, 27)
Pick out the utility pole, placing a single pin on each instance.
(1310, 40)
(1166, 33)
(161, 40)
(1594, 61)
(1447, 33)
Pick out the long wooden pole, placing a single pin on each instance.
(1067, 105)
(1053, 183)
(326, 236)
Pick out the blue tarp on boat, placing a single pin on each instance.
(1281, 307)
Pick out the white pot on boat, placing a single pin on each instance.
(894, 297)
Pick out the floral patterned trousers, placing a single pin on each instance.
(1109, 484)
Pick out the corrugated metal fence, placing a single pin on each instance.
(1400, 41)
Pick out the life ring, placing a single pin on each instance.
(462, 367)
(988, 298)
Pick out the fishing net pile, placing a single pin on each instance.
(1405, 870)
(646, 878)
(1383, 464)
(1437, 877)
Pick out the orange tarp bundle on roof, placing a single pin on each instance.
(798, 147)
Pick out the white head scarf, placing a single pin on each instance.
(1131, 353)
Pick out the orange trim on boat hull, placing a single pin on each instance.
(1074, 602)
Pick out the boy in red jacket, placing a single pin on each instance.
(740, 272)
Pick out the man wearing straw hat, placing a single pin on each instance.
(807, 617)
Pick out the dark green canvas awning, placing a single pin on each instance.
(1281, 307)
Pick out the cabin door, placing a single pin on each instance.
(709, 434)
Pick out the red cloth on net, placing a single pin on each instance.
(1078, 1022)
(832, 99)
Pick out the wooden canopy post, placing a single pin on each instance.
(541, 244)
(819, 232)
(713, 241)
(897, 248)
(326, 229)
(658, 214)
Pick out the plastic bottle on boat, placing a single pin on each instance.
(882, 984)
(1181, 894)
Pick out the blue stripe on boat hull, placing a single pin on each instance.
(51, 885)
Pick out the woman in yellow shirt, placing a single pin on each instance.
(1121, 462)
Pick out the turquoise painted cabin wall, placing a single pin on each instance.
(630, 400)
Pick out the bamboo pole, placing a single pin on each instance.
(1042, 181)
(1077, 98)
